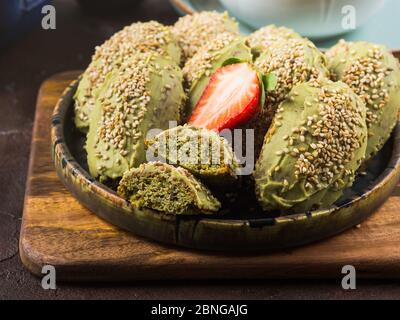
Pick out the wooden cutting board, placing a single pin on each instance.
(57, 230)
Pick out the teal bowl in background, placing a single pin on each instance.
(314, 19)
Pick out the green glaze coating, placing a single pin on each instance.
(374, 74)
(162, 187)
(145, 92)
(199, 69)
(202, 152)
(139, 37)
(313, 148)
(195, 30)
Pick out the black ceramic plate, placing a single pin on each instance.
(242, 226)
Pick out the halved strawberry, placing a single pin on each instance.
(231, 98)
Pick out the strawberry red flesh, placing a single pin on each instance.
(231, 98)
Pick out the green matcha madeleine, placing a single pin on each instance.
(202, 152)
(138, 37)
(293, 60)
(145, 92)
(315, 145)
(165, 188)
(261, 39)
(194, 30)
(199, 69)
(374, 74)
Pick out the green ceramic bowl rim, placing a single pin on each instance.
(102, 191)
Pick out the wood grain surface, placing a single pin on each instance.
(57, 230)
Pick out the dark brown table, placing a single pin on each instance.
(23, 66)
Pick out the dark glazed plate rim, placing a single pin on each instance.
(214, 233)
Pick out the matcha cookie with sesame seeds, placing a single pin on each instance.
(199, 69)
(138, 37)
(168, 189)
(315, 145)
(374, 74)
(194, 30)
(145, 92)
(202, 152)
(293, 61)
(261, 39)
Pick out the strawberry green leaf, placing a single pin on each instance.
(231, 61)
(270, 80)
(262, 88)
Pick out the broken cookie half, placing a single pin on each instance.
(202, 152)
(172, 190)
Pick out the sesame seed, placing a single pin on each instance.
(285, 183)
